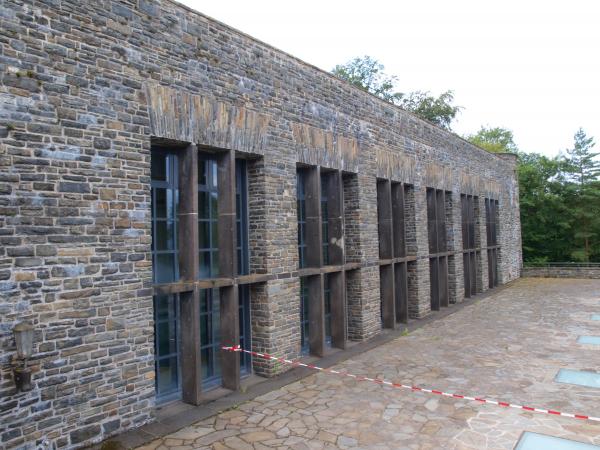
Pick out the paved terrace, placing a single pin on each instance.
(508, 346)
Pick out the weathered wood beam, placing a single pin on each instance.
(386, 286)
(191, 379)
(335, 213)
(230, 335)
(443, 281)
(401, 293)
(337, 292)
(227, 215)
(384, 216)
(316, 316)
(187, 214)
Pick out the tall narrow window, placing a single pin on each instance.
(438, 258)
(210, 336)
(393, 278)
(491, 219)
(241, 197)
(165, 195)
(325, 218)
(301, 210)
(245, 329)
(166, 346)
(468, 214)
(208, 217)
(304, 347)
(327, 299)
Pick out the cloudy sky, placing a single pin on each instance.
(532, 67)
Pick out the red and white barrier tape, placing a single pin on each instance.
(237, 348)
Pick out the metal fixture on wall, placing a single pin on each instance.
(23, 333)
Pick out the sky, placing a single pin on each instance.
(530, 66)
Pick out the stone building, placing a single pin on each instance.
(169, 184)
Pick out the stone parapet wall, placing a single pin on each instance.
(561, 272)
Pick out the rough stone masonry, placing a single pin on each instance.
(85, 90)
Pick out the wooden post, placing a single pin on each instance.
(229, 298)
(401, 288)
(388, 306)
(384, 216)
(191, 379)
(316, 315)
(337, 289)
(187, 214)
(230, 335)
(434, 283)
(337, 256)
(335, 212)
(444, 296)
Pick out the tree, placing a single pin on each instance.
(437, 110)
(368, 74)
(495, 140)
(545, 216)
(580, 172)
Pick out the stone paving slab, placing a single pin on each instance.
(508, 346)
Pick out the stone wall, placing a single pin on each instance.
(561, 272)
(83, 88)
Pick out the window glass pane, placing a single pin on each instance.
(163, 307)
(214, 268)
(204, 264)
(202, 172)
(164, 268)
(206, 362)
(165, 235)
(166, 339)
(164, 210)
(166, 344)
(203, 205)
(204, 306)
(158, 166)
(204, 234)
(214, 212)
(214, 177)
(160, 198)
(204, 328)
(327, 299)
(214, 234)
(167, 376)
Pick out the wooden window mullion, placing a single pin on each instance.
(229, 298)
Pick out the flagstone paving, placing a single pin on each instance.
(508, 346)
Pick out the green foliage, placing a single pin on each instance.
(560, 204)
(545, 218)
(580, 171)
(437, 110)
(368, 74)
(495, 140)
